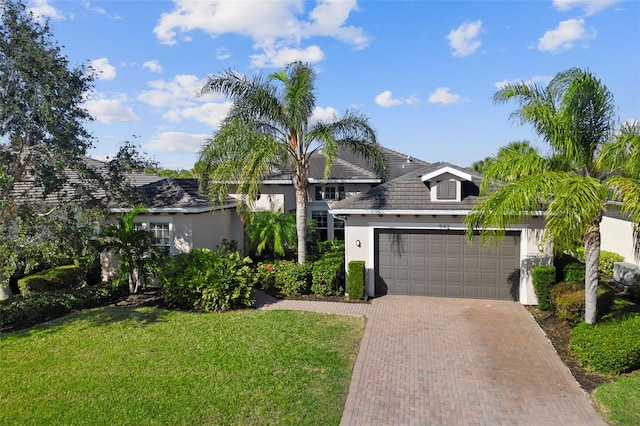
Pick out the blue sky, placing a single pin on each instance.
(424, 72)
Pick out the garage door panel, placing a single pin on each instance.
(443, 263)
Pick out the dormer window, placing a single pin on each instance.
(447, 189)
(446, 183)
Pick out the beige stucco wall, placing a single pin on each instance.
(617, 236)
(188, 231)
(359, 244)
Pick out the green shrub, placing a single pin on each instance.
(569, 301)
(611, 346)
(292, 278)
(327, 274)
(24, 311)
(544, 278)
(61, 278)
(574, 273)
(266, 276)
(207, 280)
(607, 259)
(355, 280)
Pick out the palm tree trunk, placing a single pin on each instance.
(591, 260)
(301, 222)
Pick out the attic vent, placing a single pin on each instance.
(409, 159)
(447, 190)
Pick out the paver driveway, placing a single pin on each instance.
(438, 361)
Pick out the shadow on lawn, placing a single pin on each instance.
(139, 316)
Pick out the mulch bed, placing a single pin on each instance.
(558, 333)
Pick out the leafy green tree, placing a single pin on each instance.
(273, 232)
(589, 164)
(270, 125)
(132, 246)
(41, 118)
(520, 147)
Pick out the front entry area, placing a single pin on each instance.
(442, 263)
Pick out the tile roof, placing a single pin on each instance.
(408, 192)
(350, 166)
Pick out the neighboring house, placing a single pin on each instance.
(617, 236)
(411, 235)
(179, 218)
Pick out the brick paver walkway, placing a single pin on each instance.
(438, 361)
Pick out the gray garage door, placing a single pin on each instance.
(442, 263)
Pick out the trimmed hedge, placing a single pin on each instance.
(209, 281)
(355, 280)
(544, 278)
(327, 274)
(611, 346)
(25, 311)
(65, 277)
(569, 301)
(607, 259)
(574, 273)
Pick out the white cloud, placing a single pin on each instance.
(222, 54)
(543, 79)
(177, 142)
(181, 91)
(87, 5)
(564, 36)
(443, 96)
(42, 9)
(279, 58)
(112, 110)
(104, 70)
(210, 113)
(465, 40)
(273, 26)
(590, 7)
(386, 100)
(323, 114)
(153, 66)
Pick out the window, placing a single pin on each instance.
(322, 224)
(161, 239)
(447, 190)
(161, 235)
(329, 193)
(338, 229)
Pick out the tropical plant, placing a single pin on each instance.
(590, 165)
(132, 246)
(271, 124)
(273, 232)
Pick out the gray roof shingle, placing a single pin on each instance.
(408, 192)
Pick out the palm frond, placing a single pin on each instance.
(354, 133)
(512, 163)
(578, 202)
(621, 155)
(510, 204)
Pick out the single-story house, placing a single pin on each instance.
(410, 234)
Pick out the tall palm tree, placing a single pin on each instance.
(270, 125)
(132, 246)
(589, 166)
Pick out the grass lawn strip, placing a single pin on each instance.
(123, 365)
(620, 400)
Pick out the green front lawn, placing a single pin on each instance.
(620, 400)
(119, 365)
